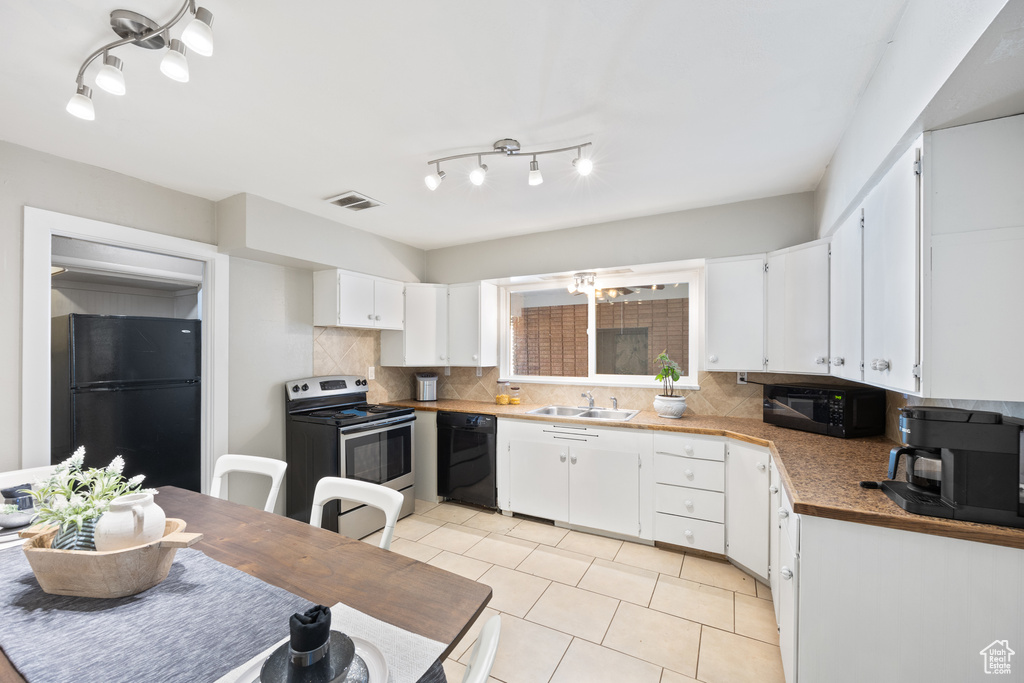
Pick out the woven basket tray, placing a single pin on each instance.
(111, 574)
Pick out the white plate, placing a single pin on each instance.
(376, 665)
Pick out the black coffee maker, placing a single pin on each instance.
(961, 464)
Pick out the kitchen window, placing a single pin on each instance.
(608, 334)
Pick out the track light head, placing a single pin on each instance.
(111, 76)
(535, 176)
(583, 165)
(80, 104)
(174, 65)
(434, 180)
(198, 35)
(478, 174)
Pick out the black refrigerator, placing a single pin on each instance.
(128, 386)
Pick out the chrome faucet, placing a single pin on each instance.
(615, 403)
(589, 395)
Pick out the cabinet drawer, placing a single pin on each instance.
(690, 445)
(699, 474)
(687, 502)
(689, 533)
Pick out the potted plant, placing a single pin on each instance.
(668, 404)
(74, 499)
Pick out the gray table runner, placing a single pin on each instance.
(197, 625)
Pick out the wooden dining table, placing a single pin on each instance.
(324, 568)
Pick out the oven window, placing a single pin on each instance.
(379, 457)
(398, 447)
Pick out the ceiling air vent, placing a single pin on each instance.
(353, 201)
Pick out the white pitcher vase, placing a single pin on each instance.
(131, 520)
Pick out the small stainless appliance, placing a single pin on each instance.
(976, 456)
(331, 431)
(426, 386)
(466, 458)
(845, 412)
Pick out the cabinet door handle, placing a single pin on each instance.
(689, 474)
(376, 317)
(475, 356)
(838, 361)
(786, 573)
(369, 316)
(688, 449)
(773, 489)
(760, 467)
(821, 360)
(879, 364)
(712, 359)
(442, 357)
(561, 457)
(572, 459)
(688, 504)
(688, 534)
(783, 513)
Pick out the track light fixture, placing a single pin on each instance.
(509, 147)
(136, 29)
(581, 282)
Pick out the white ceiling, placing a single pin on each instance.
(688, 103)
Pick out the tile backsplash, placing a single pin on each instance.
(349, 351)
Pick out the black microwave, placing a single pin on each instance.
(840, 411)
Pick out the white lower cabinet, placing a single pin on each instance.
(539, 478)
(747, 512)
(689, 491)
(786, 596)
(573, 474)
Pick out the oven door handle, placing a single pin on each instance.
(377, 426)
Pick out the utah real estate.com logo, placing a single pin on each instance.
(997, 657)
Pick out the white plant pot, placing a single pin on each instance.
(670, 406)
(131, 520)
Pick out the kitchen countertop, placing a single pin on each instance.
(821, 473)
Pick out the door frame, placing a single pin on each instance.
(40, 226)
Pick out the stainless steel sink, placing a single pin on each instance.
(607, 414)
(585, 413)
(558, 411)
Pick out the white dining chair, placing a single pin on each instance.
(27, 476)
(381, 497)
(482, 659)
(270, 467)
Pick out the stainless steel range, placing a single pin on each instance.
(333, 432)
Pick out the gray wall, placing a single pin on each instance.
(726, 230)
(31, 178)
(271, 342)
(257, 228)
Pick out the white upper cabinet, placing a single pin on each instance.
(846, 300)
(344, 299)
(473, 324)
(424, 340)
(387, 304)
(797, 309)
(735, 314)
(891, 276)
(974, 261)
(445, 325)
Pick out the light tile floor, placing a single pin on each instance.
(580, 607)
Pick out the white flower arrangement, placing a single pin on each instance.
(72, 495)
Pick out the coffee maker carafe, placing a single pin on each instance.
(923, 466)
(961, 464)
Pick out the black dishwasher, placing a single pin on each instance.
(466, 458)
